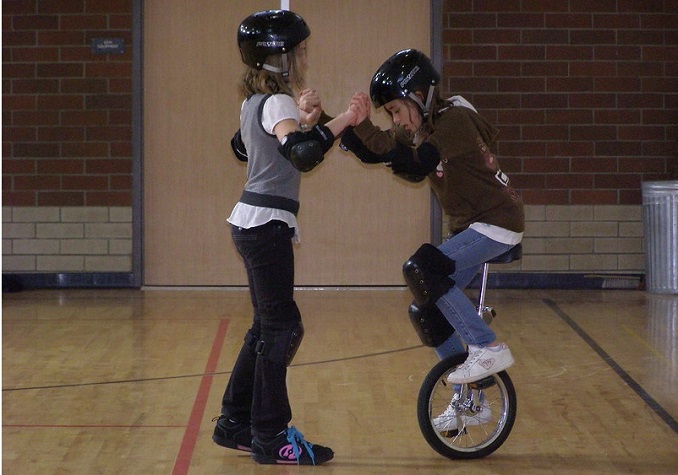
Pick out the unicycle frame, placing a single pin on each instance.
(513, 254)
(484, 312)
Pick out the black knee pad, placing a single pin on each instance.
(430, 324)
(282, 346)
(427, 274)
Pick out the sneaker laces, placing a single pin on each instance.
(293, 437)
(473, 357)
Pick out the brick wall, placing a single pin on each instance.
(66, 111)
(585, 92)
(67, 136)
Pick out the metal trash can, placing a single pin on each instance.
(660, 223)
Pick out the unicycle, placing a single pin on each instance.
(472, 420)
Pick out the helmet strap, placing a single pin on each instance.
(285, 66)
(429, 99)
(416, 99)
(425, 108)
(273, 69)
(284, 70)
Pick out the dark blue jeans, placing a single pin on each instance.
(257, 389)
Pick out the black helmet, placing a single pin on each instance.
(270, 32)
(401, 75)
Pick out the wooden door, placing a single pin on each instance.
(358, 223)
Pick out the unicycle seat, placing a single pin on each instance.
(513, 254)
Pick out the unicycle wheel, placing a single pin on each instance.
(465, 421)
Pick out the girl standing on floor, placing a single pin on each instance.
(255, 409)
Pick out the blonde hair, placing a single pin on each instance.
(262, 81)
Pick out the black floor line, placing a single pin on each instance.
(649, 400)
(199, 375)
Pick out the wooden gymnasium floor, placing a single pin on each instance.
(127, 382)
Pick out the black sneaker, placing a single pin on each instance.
(232, 435)
(290, 448)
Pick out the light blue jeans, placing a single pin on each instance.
(469, 250)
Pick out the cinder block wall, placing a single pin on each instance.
(67, 239)
(604, 239)
(583, 238)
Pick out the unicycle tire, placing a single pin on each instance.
(482, 413)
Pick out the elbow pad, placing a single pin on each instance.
(306, 150)
(303, 152)
(411, 164)
(351, 143)
(239, 147)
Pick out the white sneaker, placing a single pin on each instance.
(447, 421)
(481, 363)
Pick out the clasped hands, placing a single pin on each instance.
(310, 107)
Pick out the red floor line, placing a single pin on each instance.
(185, 454)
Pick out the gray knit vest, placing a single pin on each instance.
(272, 181)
